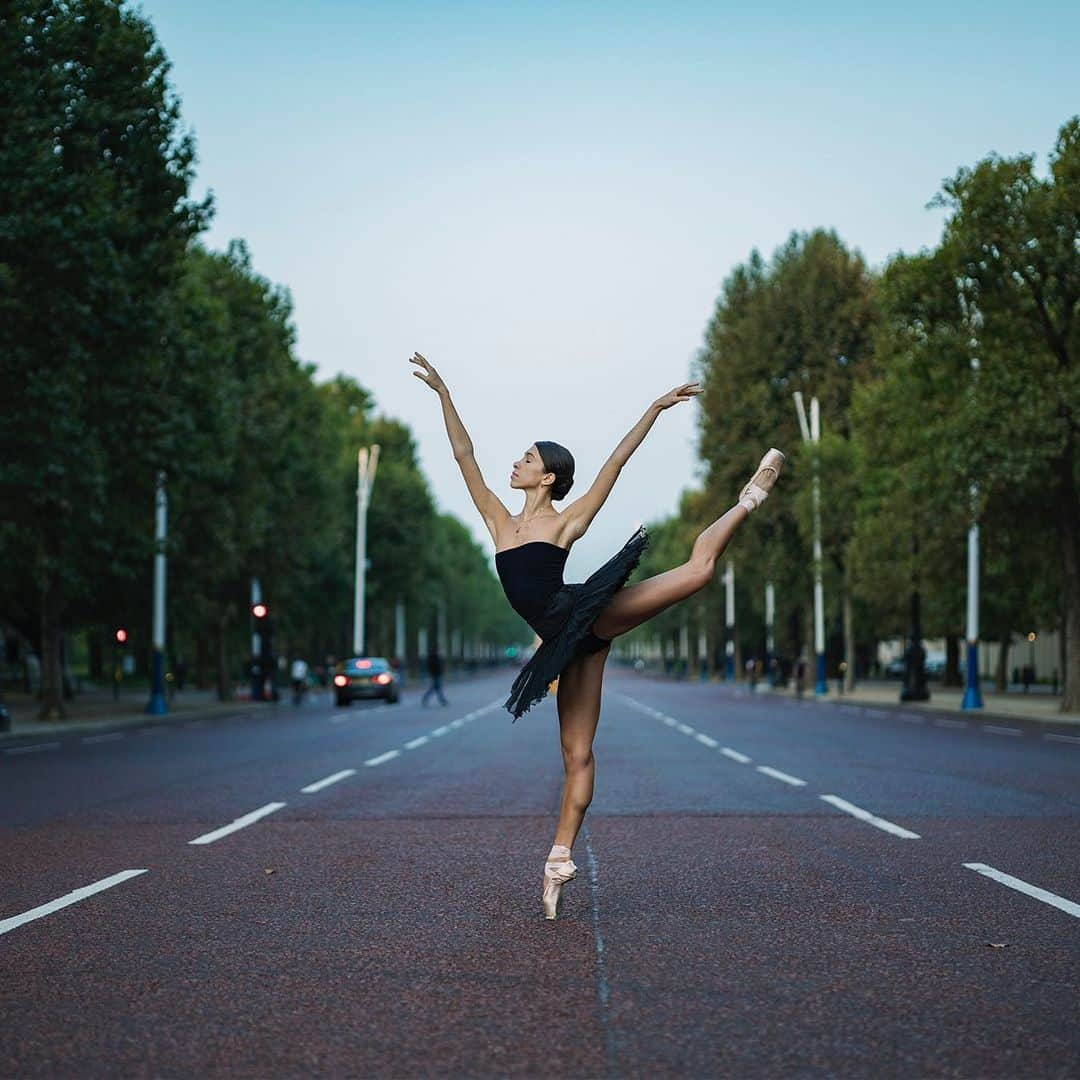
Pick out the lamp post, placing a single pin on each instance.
(156, 705)
(770, 642)
(972, 692)
(811, 434)
(366, 464)
(729, 621)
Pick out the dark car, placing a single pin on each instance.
(367, 677)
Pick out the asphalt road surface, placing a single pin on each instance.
(766, 888)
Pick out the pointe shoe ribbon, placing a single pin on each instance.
(559, 873)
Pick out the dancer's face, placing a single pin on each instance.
(528, 470)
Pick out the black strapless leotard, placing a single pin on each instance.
(562, 615)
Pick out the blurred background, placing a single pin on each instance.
(225, 227)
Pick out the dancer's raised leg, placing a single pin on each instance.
(639, 602)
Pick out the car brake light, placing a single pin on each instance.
(363, 663)
(340, 680)
(383, 678)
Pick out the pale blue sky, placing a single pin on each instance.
(545, 198)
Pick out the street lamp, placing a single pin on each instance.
(366, 464)
(156, 705)
(811, 434)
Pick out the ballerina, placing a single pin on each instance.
(577, 622)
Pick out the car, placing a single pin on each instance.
(367, 677)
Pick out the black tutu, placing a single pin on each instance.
(565, 624)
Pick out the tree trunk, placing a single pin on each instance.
(849, 642)
(1001, 680)
(202, 663)
(224, 690)
(96, 650)
(952, 661)
(1070, 545)
(52, 678)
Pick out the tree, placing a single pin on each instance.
(94, 221)
(1013, 244)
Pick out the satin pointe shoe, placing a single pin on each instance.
(558, 870)
(761, 483)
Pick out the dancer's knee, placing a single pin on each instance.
(577, 758)
(699, 569)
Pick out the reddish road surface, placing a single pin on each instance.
(766, 889)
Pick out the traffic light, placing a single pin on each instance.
(121, 636)
(260, 611)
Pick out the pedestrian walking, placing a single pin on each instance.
(299, 676)
(577, 622)
(800, 676)
(435, 673)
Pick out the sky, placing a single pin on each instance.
(545, 199)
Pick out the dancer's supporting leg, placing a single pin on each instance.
(578, 701)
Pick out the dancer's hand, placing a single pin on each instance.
(680, 393)
(428, 374)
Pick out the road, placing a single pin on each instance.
(766, 888)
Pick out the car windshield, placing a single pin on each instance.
(367, 663)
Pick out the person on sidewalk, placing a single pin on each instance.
(435, 672)
(299, 676)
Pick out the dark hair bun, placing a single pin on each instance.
(558, 460)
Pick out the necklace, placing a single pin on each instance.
(521, 523)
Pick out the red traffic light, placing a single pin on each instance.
(121, 636)
(259, 611)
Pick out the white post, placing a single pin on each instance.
(365, 477)
(729, 621)
(812, 435)
(399, 631)
(156, 706)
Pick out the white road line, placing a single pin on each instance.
(706, 740)
(686, 729)
(31, 749)
(69, 898)
(778, 775)
(668, 720)
(326, 781)
(742, 759)
(1061, 738)
(942, 722)
(388, 756)
(1022, 886)
(873, 819)
(995, 730)
(441, 731)
(414, 743)
(458, 722)
(110, 737)
(239, 823)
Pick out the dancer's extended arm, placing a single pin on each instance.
(487, 502)
(582, 511)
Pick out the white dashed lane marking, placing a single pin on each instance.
(412, 744)
(69, 898)
(239, 823)
(333, 778)
(872, 819)
(776, 774)
(33, 748)
(388, 756)
(742, 759)
(996, 730)
(1044, 895)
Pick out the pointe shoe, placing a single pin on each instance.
(761, 483)
(558, 870)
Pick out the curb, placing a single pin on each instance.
(47, 729)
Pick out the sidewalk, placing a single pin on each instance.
(1041, 708)
(95, 710)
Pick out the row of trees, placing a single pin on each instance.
(127, 348)
(949, 391)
